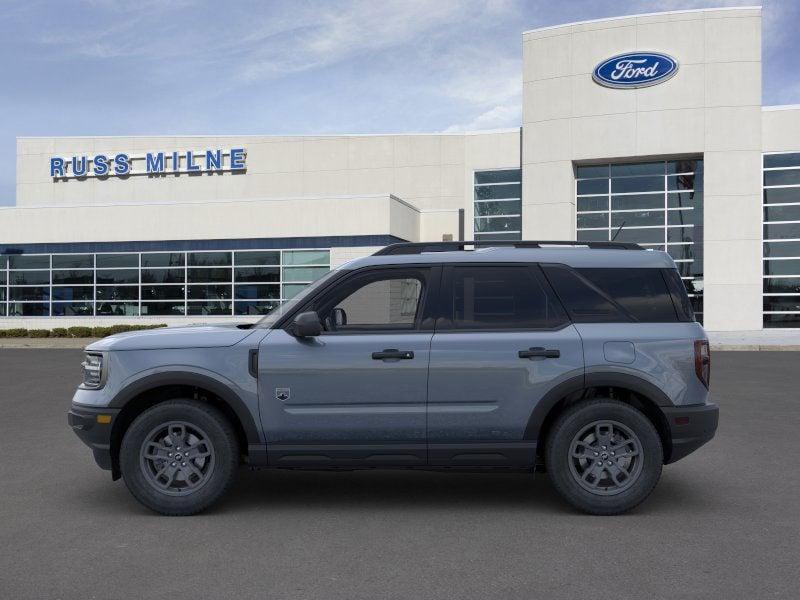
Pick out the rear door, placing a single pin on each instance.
(501, 343)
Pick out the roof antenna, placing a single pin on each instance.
(616, 233)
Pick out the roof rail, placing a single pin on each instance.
(420, 247)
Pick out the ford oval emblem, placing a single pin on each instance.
(635, 70)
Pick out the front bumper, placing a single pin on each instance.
(93, 432)
(690, 427)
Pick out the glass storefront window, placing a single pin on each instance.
(73, 261)
(781, 247)
(116, 261)
(29, 278)
(29, 261)
(73, 309)
(28, 309)
(163, 276)
(209, 259)
(173, 309)
(29, 293)
(166, 284)
(208, 275)
(305, 257)
(71, 292)
(256, 274)
(209, 292)
(257, 258)
(117, 309)
(163, 259)
(497, 205)
(74, 277)
(109, 276)
(657, 204)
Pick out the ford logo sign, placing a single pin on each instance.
(635, 70)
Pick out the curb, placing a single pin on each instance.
(755, 348)
(52, 343)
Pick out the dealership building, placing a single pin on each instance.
(646, 128)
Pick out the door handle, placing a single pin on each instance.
(539, 353)
(393, 353)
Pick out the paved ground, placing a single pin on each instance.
(723, 523)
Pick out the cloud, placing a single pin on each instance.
(333, 33)
(497, 117)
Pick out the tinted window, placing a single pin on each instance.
(209, 259)
(489, 297)
(29, 262)
(584, 303)
(117, 260)
(163, 259)
(642, 292)
(118, 276)
(73, 261)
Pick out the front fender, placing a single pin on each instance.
(246, 411)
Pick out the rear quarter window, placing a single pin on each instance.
(585, 302)
(641, 292)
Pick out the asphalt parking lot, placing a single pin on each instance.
(723, 523)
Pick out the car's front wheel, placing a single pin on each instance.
(179, 457)
(604, 456)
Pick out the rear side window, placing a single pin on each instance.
(501, 297)
(585, 302)
(641, 292)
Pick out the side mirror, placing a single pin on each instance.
(306, 324)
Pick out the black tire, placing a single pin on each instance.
(173, 493)
(573, 472)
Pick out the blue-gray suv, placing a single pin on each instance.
(581, 359)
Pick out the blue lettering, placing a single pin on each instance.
(190, 166)
(79, 168)
(121, 164)
(155, 163)
(176, 162)
(237, 159)
(56, 167)
(100, 164)
(213, 159)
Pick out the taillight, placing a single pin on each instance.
(702, 361)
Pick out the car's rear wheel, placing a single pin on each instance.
(604, 456)
(179, 457)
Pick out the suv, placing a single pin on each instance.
(579, 358)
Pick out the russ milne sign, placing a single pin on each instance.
(151, 163)
(635, 70)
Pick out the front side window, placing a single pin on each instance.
(501, 297)
(376, 301)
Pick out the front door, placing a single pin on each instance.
(356, 394)
(502, 343)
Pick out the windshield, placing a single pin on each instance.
(288, 306)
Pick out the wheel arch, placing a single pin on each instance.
(153, 389)
(630, 389)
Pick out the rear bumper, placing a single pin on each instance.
(83, 421)
(690, 427)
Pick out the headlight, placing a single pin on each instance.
(93, 371)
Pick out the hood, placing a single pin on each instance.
(199, 336)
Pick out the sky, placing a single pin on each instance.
(160, 67)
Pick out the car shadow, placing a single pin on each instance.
(349, 491)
